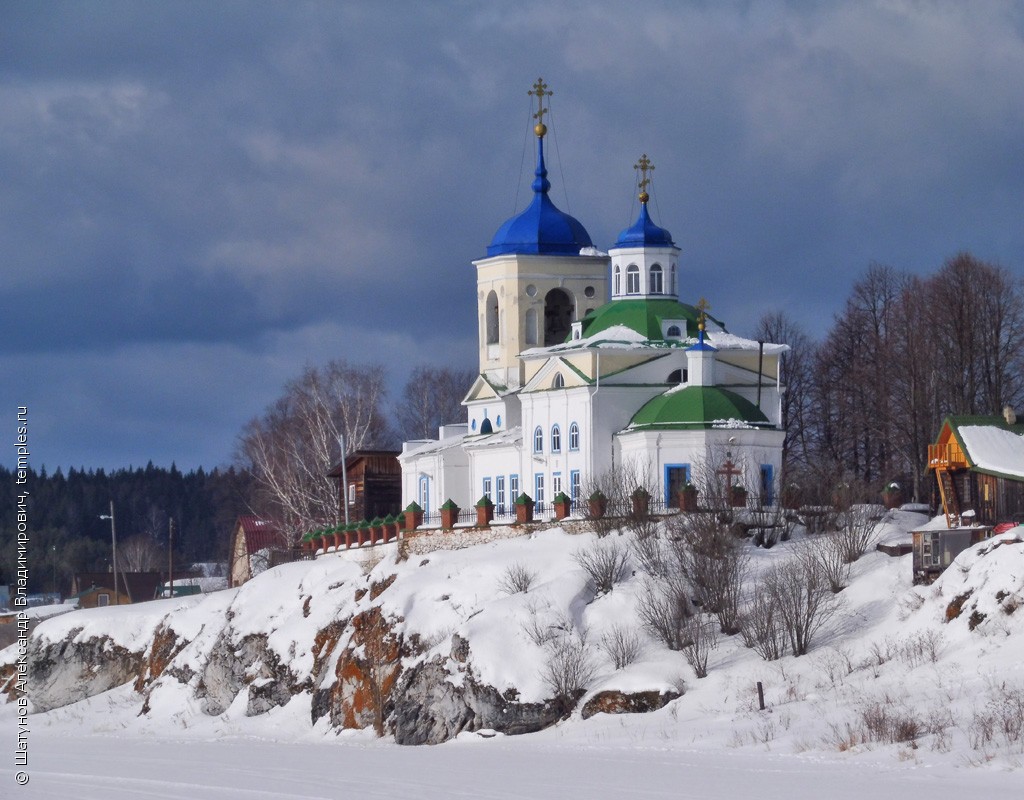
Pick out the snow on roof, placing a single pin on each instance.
(622, 337)
(511, 436)
(433, 446)
(994, 449)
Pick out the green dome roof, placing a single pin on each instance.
(697, 407)
(643, 316)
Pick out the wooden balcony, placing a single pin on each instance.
(946, 456)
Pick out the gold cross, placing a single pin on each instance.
(645, 166)
(540, 91)
(702, 306)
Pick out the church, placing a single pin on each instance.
(591, 365)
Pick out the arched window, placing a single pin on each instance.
(556, 439)
(492, 318)
(673, 330)
(672, 279)
(497, 421)
(558, 382)
(486, 427)
(558, 308)
(574, 436)
(632, 279)
(538, 440)
(677, 376)
(657, 285)
(531, 326)
(617, 282)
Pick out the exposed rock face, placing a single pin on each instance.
(67, 671)
(360, 696)
(248, 664)
(432, 706)
(614, 702)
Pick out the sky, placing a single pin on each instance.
(200, 199)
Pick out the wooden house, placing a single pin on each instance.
(372, 484)
(979, 466)
(252, 544)
(979, 472)
(97, 588)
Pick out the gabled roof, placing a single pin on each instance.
(358, 455)
(260, 534)
(990, 444)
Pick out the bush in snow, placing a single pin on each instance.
(858, 532)
(663, 606)
(569, 670)
(607, 563)
(517, 578)
(703, 638)
(622, 645)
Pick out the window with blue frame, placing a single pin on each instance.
(556, 483)
(556, 439)
(499, 494)
(574, 436)
(574, 486)
(538, 440)
(487, 489)
(538, 491)
(513, 488)
(425, 494)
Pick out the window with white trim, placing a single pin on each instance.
(556, 439)
(574, 436)
(538, 440)
(632, 279)
(657, 281)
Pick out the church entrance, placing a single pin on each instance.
(676, 477)
(557, 317)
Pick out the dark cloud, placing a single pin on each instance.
(196, 199)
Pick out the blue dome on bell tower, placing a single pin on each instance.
(541, 229)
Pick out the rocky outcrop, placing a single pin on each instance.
(64, 672)
(433, 705)
(233, 666)
(615, 702)
(359, 693)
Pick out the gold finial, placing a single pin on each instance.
(645, 166)
(702, 307)
(540, 91)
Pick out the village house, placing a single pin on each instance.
(978, 463)
(370, 484)
(252, 546)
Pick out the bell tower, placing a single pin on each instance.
(541, 274)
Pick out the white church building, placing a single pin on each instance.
(591, 363)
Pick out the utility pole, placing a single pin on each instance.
(113, 542)
(344, 477)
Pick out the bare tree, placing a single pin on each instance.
(140, 553)
(802, 597)
(762, 628)
(858, 532)
(517, 578)
(830, 553)
(292, 447)
(796, 375)
(432, 397)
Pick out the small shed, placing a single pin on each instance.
(97, 588)
(935, 548)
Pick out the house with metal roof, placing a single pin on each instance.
(590, 362)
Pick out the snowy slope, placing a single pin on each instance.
(902, 678)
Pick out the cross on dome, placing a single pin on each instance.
(644, 166)
(540, 91)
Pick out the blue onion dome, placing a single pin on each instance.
(644, 233)
(542, 229)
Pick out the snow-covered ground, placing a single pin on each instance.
(894, 655)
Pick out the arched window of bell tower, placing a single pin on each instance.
(530, 322)
(492, 318)
(617, 281)
(558, 309)
(632, 279)
(657, 282)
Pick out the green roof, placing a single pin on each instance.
(643, 316)
(697, 407)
